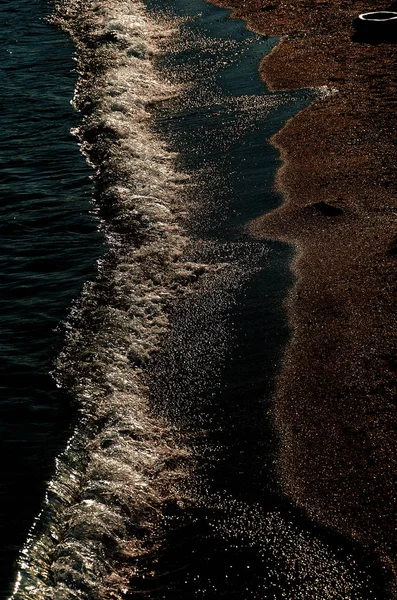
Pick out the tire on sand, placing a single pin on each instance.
(380, 25)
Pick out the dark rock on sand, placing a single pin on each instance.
(327, 210)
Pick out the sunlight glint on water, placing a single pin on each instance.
(103, 511)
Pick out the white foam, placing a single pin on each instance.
(121, 463)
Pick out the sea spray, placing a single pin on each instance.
(121, 464)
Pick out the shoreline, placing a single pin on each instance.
(334, 404)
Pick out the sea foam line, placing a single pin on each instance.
(103, 505)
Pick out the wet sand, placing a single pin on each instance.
(335, 399)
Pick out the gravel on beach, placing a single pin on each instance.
(335, 398)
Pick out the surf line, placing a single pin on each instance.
(104, 504)
(121, 464)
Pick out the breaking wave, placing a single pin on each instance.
(121, 464)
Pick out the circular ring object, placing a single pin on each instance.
(381, 16)
(379, 25)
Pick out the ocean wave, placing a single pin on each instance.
(103, 506)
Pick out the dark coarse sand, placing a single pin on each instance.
(335, 400)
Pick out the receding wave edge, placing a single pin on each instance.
(103, 505)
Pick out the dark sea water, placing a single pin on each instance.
(49, 245)
(161, 421)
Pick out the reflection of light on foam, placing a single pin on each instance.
(326, 92)
(124, 456)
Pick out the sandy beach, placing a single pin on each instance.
(335, 398)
